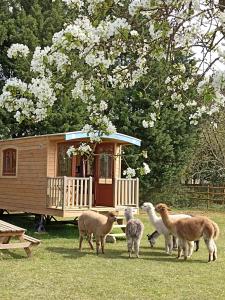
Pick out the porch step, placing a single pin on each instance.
(111, 237)
(119, 226)
(117, 234)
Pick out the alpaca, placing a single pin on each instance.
(189, 229)
(134, 231)
(159, 225)
(152, 238)
(90, 223)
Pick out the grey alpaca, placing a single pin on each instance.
(134, 231)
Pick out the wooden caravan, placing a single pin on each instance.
(37, 176)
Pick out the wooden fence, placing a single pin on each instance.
(206, 194)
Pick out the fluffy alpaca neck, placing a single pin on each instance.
(128, 217)
(166, 220)
(152, 216)
(108, 226)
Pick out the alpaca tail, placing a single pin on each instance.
(216, 230)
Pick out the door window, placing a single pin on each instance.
(105, 161)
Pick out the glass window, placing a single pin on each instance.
(105, 165)
(64, 161)
(9, 162)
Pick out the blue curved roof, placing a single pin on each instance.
(115, 136)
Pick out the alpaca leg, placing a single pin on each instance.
(103, 244)
(168, 243)
(129, 245)
(185, 249)
(81, 240)
(190, 248)
(215, 251)
(180, 247)
(175, 242)
(97, 245)
(196, 245)
(89, 238)
(210, 245)
(136, 247)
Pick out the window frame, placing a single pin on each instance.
(3, 174)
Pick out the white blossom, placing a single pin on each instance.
(129, 172)
(145, 169)
(134, 33)
(103, 105)
(145, 124)
(83, 149)
(18, 50)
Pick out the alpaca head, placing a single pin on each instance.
(151, 240)
(128, 213)
(112, 216)
(148, 206)
(161, 207)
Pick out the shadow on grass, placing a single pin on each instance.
(152, 256)
(53, 230)
(8, 255)
(71, 252)
(74, 253)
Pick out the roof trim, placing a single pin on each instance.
(115, 136)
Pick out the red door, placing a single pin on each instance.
(104, 166)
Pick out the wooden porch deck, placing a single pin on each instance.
(73, 195)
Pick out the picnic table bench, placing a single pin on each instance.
(7, 231)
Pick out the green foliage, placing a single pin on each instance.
(168, 143)
(33, 22)
(207, 163)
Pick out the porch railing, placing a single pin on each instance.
(76, 192)
(126, 192)
(69, 192)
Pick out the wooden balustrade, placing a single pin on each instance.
(126, 192)
(55, 196)
(69, 192)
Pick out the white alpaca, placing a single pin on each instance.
(157, 222)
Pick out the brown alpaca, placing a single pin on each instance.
(91, 223)
(190, 229)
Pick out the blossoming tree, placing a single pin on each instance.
(110, 45)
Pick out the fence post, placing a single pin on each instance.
(208, 201)
(90, 193)
(137, 193)
(64, 191)
(115, 192)
(223, 196)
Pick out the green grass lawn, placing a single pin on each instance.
(57, 270)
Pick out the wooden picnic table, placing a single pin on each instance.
(7, 231)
